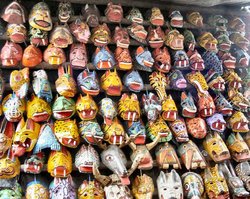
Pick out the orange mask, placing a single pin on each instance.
(32, 56)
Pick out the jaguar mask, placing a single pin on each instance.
(162, 59)
(211, 61)
(66, 132)
(174, 39)
(80, 30)
(195, 18)
(65, 11)
(38, 37)
(85, 158)
(169, 185)
(143, 187)
(111, 83)
(233, 79)
(208, 42)
(123, 58)
(121, 37)
(179, 129)
(90, 190)
(78, 55)
(216, 147)
(238, 100)
(88, 82)
(177, 80)
(114, 12)
(144, 59)
(238, 122)
(63, 108)
(40, 17)
(191, 156)
(137, 131)
(103, 58)
(14, 13)
(14, 192)
(17, 33)
(155, 37)
(181, 60)
(216, 122)
(206, 106)
(54, 56)
(135, 16)
(196, 127)
(101, 35)
(215, 81)
(222, 105)
(176, 19)
(133, 81)
(169, 109)
(188, 106)
(91, 15)
(36, 189)
(32, 56)
(138, 32)
(108, 110)
(7, 130)
(61, 37)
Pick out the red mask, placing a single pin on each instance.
(32, 56)
(11, 54)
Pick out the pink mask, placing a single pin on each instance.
(11, 54)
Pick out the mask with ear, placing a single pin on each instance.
(103, 58)
(216, 122)
(121, 37)
(36, 189)
(114, 12)
(91, 15)
(144, 59)
(188, 106)
(34, 163)
(111, 83)
(61, 37)
(123, 58)
(80, 30)
(162, 59)
(206, 106)
(65, 11)
(101, 35)
(155, 37)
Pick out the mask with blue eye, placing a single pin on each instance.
(133, 81)
(177, 80)
(136, 129)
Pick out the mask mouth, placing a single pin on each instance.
(236, 84)
(19, 148)
(114, 90)
(148, 63)
(18, 37)
(222, 156)
(42, 23)
(163, 67)
(33, 168)
(207, 112)
(211, 46)
(135, 86)
(60, 171)
(242, 155)
(177, 22)
(225, 46)
(131, 116)
(91, 91)
(69, 142)
(137, 19)
(140, 139)
(101, 41)
(40, 41)
(62, 114)
(54, 60)
(244, 61)
(169, 115)
(181, 83)
(240, 127)
(117, 139)
(220, 126)
(87, 114)
(9, 62)
(198, 65)
(92, 139)
(123, 43)
(86, 168)
(42, 116)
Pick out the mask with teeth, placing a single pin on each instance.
(242, 170)
(206, 106)
(216, 147)
(189, 40)
(144, 59)
(86, 107)
(16, 33)
(155, 37)
(65, 11)
(188, 106)
(101, 35)
(34, 163)
(14, 13)
(14, 192)
(129, 107)
(159, 127)
(25, 137)
(85, 158)
(224, 43)
(60, 163)
(138, 130)
(162, 59)
(208, 42)
(13, 108)
(62, 188)
(40, 17)
(191, 156)
(195, 18)
(196, 61)
(228, 60)
(121, 37)
(222, 105)
(6, 135)
(197, 127)
(174, 39)
(176, 19)
(143, 187)
(133, 81)
(41, 85)
(240, 41)
(242, 57)
(169, 185)
(36, 189)
(108, 110)
(123, 58)
(38, 37)
(238, 147)
(238, 100)
(114, 133)
(103, 58)
(91, 15)
(135, 16)
(177, 80)
(216, 122)
(181, 60)
(215, 81)
(11, 54)
(111, 83)
(61, 37)
(114, 12)
(80, 30)
(211, 61)
(218, 21)
(38, 109)
(193, 185)
(90, 190)
(179, 129)
(166, 156)
(63, 108)
(32, 56)
(156, 18)
(138, 32)
(78, 55)
(237, 24)
(66, 132)
(54, 56)
(169, 109)
(233, 79)
(238, 122)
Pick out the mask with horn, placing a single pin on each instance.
(144, 59)
(80, 30)
(101, 35)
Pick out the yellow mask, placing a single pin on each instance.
(143, 187)
(35, 190)
(169, 109)
(9, 167)
(111, 83)
(90, 190)
(86, 107)
(238, 122)
(198, 81)
(208, 42)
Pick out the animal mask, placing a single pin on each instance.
(38, 37)
(156, 17)
(240, 41)
(40, 17)
(215, 81)
(133, 81)
(16, 33)
(136, 130)
(114, 12)
(191, 155)
(195, 18)
(65, 11)
(101, 35)
(36, 189)
(9, 166)
(54, 55)
(216, 122)
(208, 42)
(211, 61)
(228, 60)
(177, 80)
(151, 106)
(242, 170)
(155, 37)
(66, 132)
(6, 134)
(179, 129)
(169, 109)
(222, 105)
(90, 190)
(14, 192)
(61, 37)
(176, 19)
(218, 21)
(121, 37)
(41, 85)
(111, 83)
(91, 15)
(19, 82)
(46, 139)
(34, 163)
(90, 131)
(32, 56)
(216, 147)
(78, 55)
(108, 110)
(238, 147)
(123, 58)
(60, 163)
(65, 84)
(38, 109)
(144, 59)
(242, 58)
(13, 108)
(25, 137)
(189, 40)
(237, 24)
(162, 59)
(85, 158)
(181, 60)
(116, 191)
(143, 187)
(224, 43)
(86, 107)
(14, 13)
(80, 30)
(159, 127)
(206, 105)
(188, 106)
(174, 39)
(11, 54)
(135, 16)
(103, 58)
(138, 32)
(114, 133)
(215, 183)
(238, 100)
(238, 122)
(169, 185)
(63, 108)
(166, 156)
(196, 61)
(233, 79)
(88, 82)
(196, 127)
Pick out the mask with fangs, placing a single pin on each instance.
(174, 39)
(11, 54)
(189, 41)
(188, 106)
(233, 79)
(108, 110)
(238, 122)
(179, 129)
(34, 163)
(101, 35)
(216, 122)
(111, 83)
(206, 106)
(208, 42)
(121, 37)
(228, 61)
(196, 61)
(162, 59)
(224, 43)
(222, 105)
(198, 81)
(181, 60)
(169, 109)
(38, 37)
(103, 58)
(215, 81)
(238, 100)
(242, 57)
(137, 131)
(54, 56)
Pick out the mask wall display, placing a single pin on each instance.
(78, 55)
(189, 108)
(144, 59)
(36, 189)
(138, 32)
(101, 35)
(162, 59)
(111, 83)
(133, 81)
(40, 17)
(135, 16)
(38, 37)
(169, 185)
(90, 190)
(60, 36)
(242, 171)
(195, 18)
(91, 15)
(208, 42)
(14, 13)
(11, 54)
(14, 192)
(114, 12)
(122, 56)
(174, 39)
(155, 37)
(143, 187)
(121, 37)
(103, 58)
(65, 11)
(196, 127)
(7, 130)
(80, 30)
(54, 55)
(32, 56)
(108, 110)
(176, 19)
(16, 33)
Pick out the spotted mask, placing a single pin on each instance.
(108, 110)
